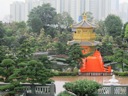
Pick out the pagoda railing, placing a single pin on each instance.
(95, 73)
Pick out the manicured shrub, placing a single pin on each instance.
(121, 73)
(64, 93)
(82, 87)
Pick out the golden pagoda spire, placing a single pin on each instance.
(84, 16)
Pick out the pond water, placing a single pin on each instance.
(60, 80)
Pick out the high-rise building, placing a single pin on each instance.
(29, 5)
(17, 10)
(124, 12)
(115, 7)
(93, 7)
(99, 8)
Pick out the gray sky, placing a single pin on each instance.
(5, 7)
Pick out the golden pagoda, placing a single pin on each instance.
(84, 35)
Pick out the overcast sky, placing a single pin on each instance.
(5, 7)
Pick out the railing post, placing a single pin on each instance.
(112, 90)
(33, 88)
(127, 90)
(52, 89)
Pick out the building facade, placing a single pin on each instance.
(17, 11)
(100, 9)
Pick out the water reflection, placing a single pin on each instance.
(100, 79)
(60, 80)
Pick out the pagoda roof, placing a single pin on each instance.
(83, 24)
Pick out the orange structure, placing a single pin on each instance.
(83, 34)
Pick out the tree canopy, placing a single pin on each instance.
(41, 17)
(113, 25)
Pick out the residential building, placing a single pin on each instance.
(17, 10)
(100, 9)
(123, 12)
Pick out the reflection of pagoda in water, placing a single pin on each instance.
(85, 36)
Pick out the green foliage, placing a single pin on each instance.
(106, 49)
(41, 16)
(64, 94)
(37, 73)
(82, 87)
(64, 37)
(36, 25)
(3, 53)
(2, 30)
(113, 25)
(2, 33)
(12, 88)
(25, 51)
(121, 73)
(120, 56)
(75, 56)
(20, 72)
(60, 48)
(126, 32)
(6, 69)
(63, 21)
(101, 29)
(45, 61)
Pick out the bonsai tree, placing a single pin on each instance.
(32, 71)
(75, 56)
(37, 73)
(19, 73)
(6, 70)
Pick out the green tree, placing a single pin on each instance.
(120, 56)
(82, 87)
(106, 48)
(126, 31)
(36, 25)
(19, 73)
(67, 20)
(2, 33)
(64, 37)
(101, 29)
(24, 51)
(3, 53)
(60, 48)
(41, 16)
(37, 73)
(75, 56)
(46, 62)
(113, 25)
(6, 69)
(63, 21)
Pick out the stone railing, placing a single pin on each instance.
(39, 90)
(35, 90)
(110, 90)
(113, 90)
